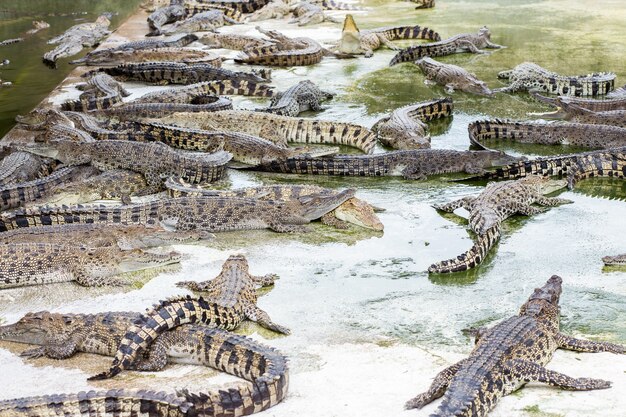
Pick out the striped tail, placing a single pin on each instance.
(239, 87)
(472, 257)
(337, 5)
(411, 32)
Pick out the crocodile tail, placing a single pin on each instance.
(412, 32)
(472, 257)
(409, 54)
(336, 5)
(239, 87)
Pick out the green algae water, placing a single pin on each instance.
(370, 327)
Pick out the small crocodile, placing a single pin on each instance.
(24, 264)
(509, 355)
(414, 164)
(162, 73)
(231, 298)
(307, 13)
(212, 214)
(304, 96)
(487, 211)
(19, 167)
(355, 41)
(10, 41)
(559, 133)
(280, 129)
(452, 77)
(195, 8)
(617, 260)
(276, 9)
(163, 16)
(100, 92)
(188, 93)
(595, 105)
(233, 41)
(133, 111)
(75, 38)
(153, 160)
(464, 42)
(205, 21)
(530, 76)
(100, 235)
(353, 210)
(60, 336)
(184, 55)
(37, 26)
(406, 127)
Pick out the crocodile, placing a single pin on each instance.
(304, 96)
(233, 41)
(617, 260)
(60, 336)
(509, 355)
(530, 76)
(205, 21)
(100, 92)
(355, 41)
(578, 114)
(188, 93)
(211, 214)
(243, 6)
(405, 128)
(19, 166)
(353, 210)
(559, 133)
(231, 298)
(101, 235)
(75, 38)
(195, 8)
(17, 195)
(162, 73)
(276, 9)
(307, 13)
(132, 111)
(280, 129)
(487, 211)
(184, 55)
(163, 16)
(37, 26)
(424, 4)
(464, 42)
(137, 46)
(414, 164)
(153, 160)
(609, 163)
(24, 264)
(595, 105)
(451, 77)
(11, 41)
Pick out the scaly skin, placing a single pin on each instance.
(496, 203)
(18, 167)
(304, 96)
(163, 16)
(280, 129)
(576, 134)
(205, 21)
(595, 105)
(195, 8)
(24, 264)
(210, 214)
(244, 6)
(231, 298)
(276, 9)
(184, 55)
(285, 52)
(233, 41)
(578, 114)
(72, 40)
(101, 92)
(134, 111)
(530, 76)
(618, 260)
(306, 13)
(452, 77)
(225, 87)
(465, 42)
(414, 164)
(509, 355)
(62, 335)
(406, 127)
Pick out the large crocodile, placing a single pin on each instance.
(509, 355)
(487, 211)
(125, 56)
(353, 210)
(415, 164)
(23, 264)
(212, 214)
(62, 335)
(280, 129)
(189, 93)
(451, 77)
(75, 38)
(595, 105)
(406, 127)
(154, 160)
(231, 298)
(303, 96)
(355, 41)
(464, 42)
(205, 21)
(530, 76)
(134, 111)
(559, 133)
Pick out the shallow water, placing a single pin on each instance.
(370, 327)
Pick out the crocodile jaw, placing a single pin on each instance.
(315, 206)
(350, 42)
(137, 260)
(359, 212)
(618, 260)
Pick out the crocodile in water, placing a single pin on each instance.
(75, 38)
(595, 105)
(451, 77)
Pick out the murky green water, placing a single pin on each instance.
(370, 326)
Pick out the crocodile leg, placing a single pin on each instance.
(552, 201)
(204, 286)
(264, 280)
(84, 278)
(155, 360)
(531, 211)
(383, 39)
(330, 219)
(288, 228)
(254, 313)
(57, 348)
(580, 345)
(471, 47)
(527, 371)
(476, 332)
(437, 388)
(464, 202)
(494, 45)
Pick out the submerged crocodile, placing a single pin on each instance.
(280, 129)
(595, 105)
(406, 127)
(212, 214)
(509, 355)
(100, 92)
(415, 164)
(23, 264)
(353, 210)
(487, 211)
(464, 42)
(303, 96)
(530, 76)
(205, 21)
(60, 336)
(559, 133)
(355, 41)
(231, 298)
(75, 38)
(451, 77)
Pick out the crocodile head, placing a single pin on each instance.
(36, 328)
(485, 33)
(314, 206)
(350, 42)
(618, 260)
(137, 259)
(41, 118)
(545, 185)
(359, 212)
(132, 238)
(543, 304)
(64, 150)
(499, 158)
